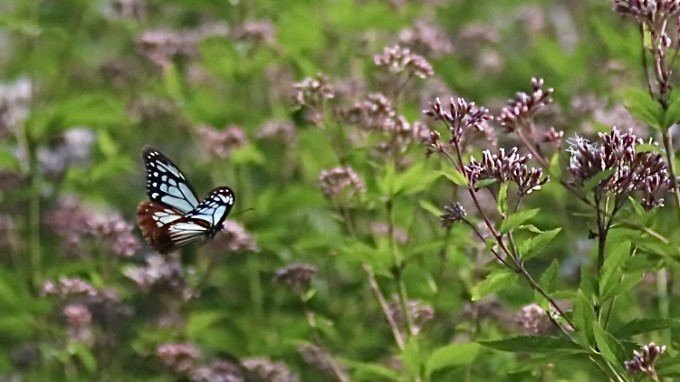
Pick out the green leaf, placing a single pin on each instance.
(455, 176)
(584, 318)
(84, 355)
(172, 81)
(411, 357)
(533, 344)
(452, 355)
(641, 105)
(515, 220)
(608, 346)
(598, 178)
(644, 325)
(672, 114)
(372, 371)
(611, 273)
(548, 279)
(429, 207)
(201, 321)
(533, 246)
(8, 160)
(484, 183)
(502, 203)
(494, 281)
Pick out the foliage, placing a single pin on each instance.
(387, 227)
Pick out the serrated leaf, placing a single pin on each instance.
(493, 282)
(454, 176)
(641, 105)
(515, 220)
(644, 325)
(533, 246)
(533, 344)
(452, 355)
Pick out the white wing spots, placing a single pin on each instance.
(164, 187)
(155, 173)
(172, 182)
(186, 227)
(164, 178)
(154, 195)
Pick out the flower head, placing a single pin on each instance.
(396, 60)
(506, 167)
(178, 357)
(296, 276)
(645, 173)
(524, 106)
(221, 143)
(460, 117)
(644, 361)
(453, 212)
(313, 92)
(340, 180)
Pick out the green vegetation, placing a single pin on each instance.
(425, 190)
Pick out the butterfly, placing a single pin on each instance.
(173, 216)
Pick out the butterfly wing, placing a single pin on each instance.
(167, 229)
(166, 184)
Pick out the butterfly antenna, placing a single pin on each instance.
(243, 211)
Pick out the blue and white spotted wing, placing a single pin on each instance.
(165, 182)
(174, 217)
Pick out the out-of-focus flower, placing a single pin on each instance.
(221, 143)
(320, 359)
(397, 60)
(339, 180)
(533, 320)
(419, 312)
(313, 92)
(234, 238)
(376, 114)
(74, 224)
(178, 357)
(650, 11)
(161, 275)
(426, 39)
(554, 137)
(71, 149)
(257, 32)
(218, 371)
(68, 287)
(15, 99)
(161, 47)
(112, 232)
(644, 361)
(645, 173)
(77, 315)
(135, 9)
(262, 369)
(383, 229)
(506, 167)
(453, 212)
(520, 111)
(296, 276)
(280, 130)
